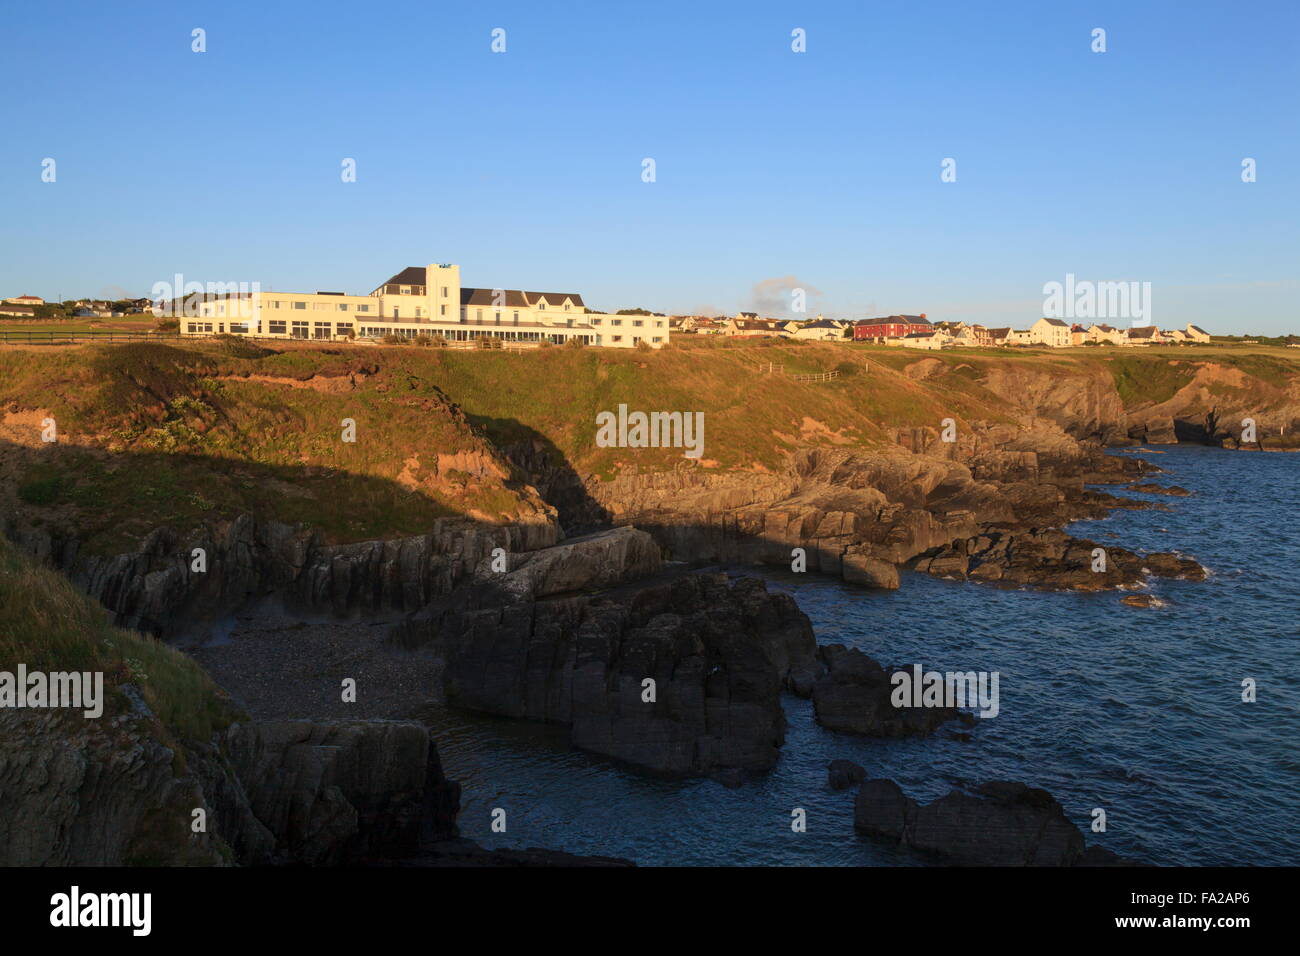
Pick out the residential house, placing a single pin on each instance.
(17, 309)
(25, 300)
(753, 327)
(1105, 335)
(819, 329)
(1144, 335)
(925, 340)
(891, 327)
(1197, 334)
(1051, 332)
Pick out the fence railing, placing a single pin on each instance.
(816, 377)
(28, 337)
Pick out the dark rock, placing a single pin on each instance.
(854, 696)
(998, 824)
(842, 774)
(718, 650)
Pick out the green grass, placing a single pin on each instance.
(191, 432)
(48, 625)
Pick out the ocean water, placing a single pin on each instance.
(1137, 711)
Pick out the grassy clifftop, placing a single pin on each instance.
(49, 625)
(180, 434)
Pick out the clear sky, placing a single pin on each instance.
(773, 169)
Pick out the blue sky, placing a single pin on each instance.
(819, 169)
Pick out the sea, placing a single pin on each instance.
(1138, 712)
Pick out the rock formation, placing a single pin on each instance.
(999, 824)
(718, 651)
(853, 696)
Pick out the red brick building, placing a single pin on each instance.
(891, 326)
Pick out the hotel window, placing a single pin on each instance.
(417, 311)
(363, 308)
(405, 290)
(478, 315)
(277, 327)
(444, 292)
(321, 330)
(498, 316)
(638, 323)
(516, 316)
(595, 321)
(657, 339)
(342, 328)
(343, 306)
(541, 306)
(615, 321)
(566, 307)
(300, 330)
(659, 325)
(300, 305)
(618, 338)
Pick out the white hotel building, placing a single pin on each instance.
(425, 300)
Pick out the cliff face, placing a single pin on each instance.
(80, 792)
(157, 590)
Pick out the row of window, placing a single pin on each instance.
(636, 323)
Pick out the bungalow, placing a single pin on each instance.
(1197, 334)
(753, 327)
(25, 300)
(925, 340)
(17, 309)
(1105, 335)
(1175, 336)
(997, 336)
(1145, 335)
(821, 330)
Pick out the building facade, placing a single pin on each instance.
(426, 300)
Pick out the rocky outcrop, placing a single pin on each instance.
(158, 590)
(999, 824)
(336, 792)
(118, 791)
(858, 514)
(1050, 559)
(854, 694)
(680, 674)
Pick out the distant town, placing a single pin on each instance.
(429, 303)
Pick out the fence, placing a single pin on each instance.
(816, 377)
(28, 337)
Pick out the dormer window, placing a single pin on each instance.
(541, 306)
(404, 290)
(566, 307)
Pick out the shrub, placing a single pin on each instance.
(391, 339)
(847, 368)
(424, 341)
(575, 343)
(643, 346)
